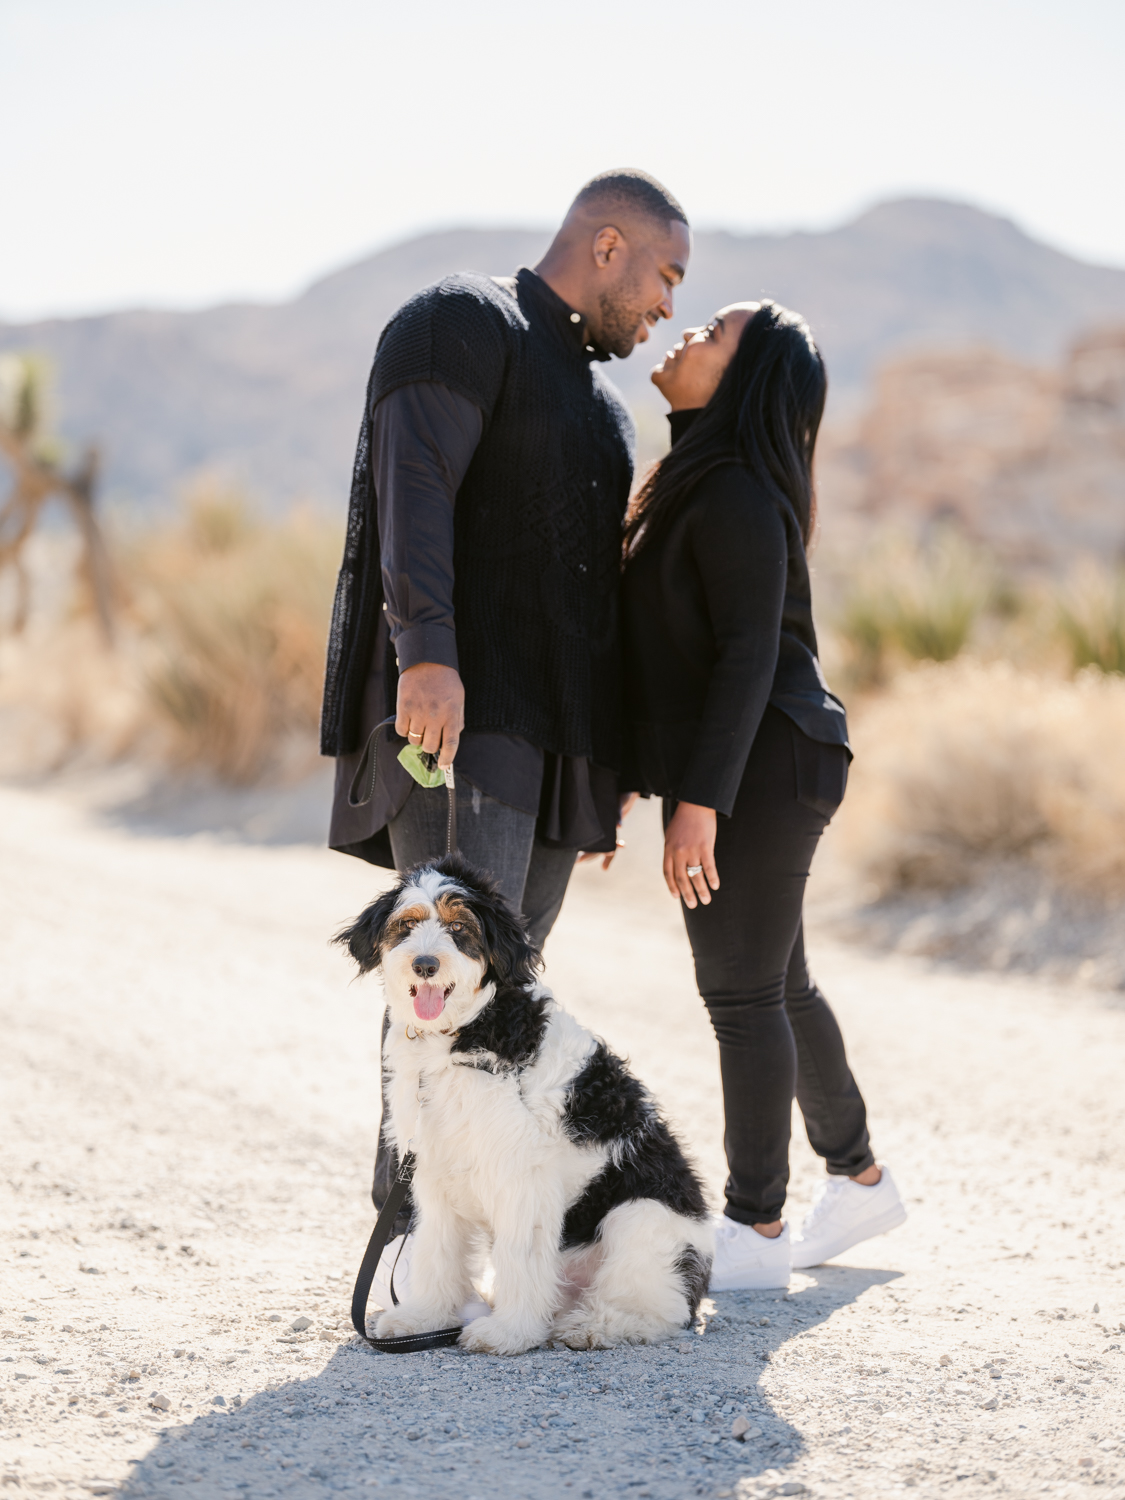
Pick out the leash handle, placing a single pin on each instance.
(404, 1343)
(362, 788)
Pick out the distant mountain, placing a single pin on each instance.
(271, 395)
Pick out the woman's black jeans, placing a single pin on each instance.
(777, 1035)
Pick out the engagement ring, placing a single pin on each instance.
(695, 869)
(413, 736)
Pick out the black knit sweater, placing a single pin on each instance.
(717, 623)
(537, 521)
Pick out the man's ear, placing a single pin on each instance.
(364, 938)
(608, 242)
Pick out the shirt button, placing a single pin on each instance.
(576, 317)
(384, 604)
(593, 486)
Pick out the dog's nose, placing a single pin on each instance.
(425, 967)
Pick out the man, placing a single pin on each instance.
(478, 594)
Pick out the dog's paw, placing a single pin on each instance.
(576, 1331)
(497, 1336)
(607, 1328)
(410, 1318)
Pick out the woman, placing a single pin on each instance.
(733, 725)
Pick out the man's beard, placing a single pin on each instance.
(621, 319)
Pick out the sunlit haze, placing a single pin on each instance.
(174, 153)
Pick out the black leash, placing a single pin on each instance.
(451, 822)
(365, 772)
(363, 784)
(403, 1343)
(362, 788)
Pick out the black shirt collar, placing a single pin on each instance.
(680, 421)
(562, 317)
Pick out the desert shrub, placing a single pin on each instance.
(1091, 619)
(964, 764)
(912, 602)
(233, 613)
(66, 698)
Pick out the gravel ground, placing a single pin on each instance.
(190, 1101)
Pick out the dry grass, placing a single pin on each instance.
(907, 602)
(1091, 619)
(64, 697)
(962, 765)
(220, 655)
(233, 615)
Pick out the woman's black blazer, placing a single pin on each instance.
(717, 622)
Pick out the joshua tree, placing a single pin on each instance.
(38, 475)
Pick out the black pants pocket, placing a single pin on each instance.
(821, 773)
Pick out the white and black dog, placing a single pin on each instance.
(534, 1144)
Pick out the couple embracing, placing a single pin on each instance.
(482, 603)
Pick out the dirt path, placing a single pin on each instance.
(188, 1114)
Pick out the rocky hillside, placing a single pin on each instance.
(270, 395)
(1027, 459)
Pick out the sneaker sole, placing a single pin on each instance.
(765, 1281)
(887, 1221)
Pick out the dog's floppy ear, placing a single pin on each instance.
(512, 957)
(364, 938)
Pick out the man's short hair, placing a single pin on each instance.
(628, 189)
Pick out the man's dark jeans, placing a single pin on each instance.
(495, 838)
(777, 1034)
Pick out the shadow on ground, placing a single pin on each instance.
(641, 1422)
(294, 814)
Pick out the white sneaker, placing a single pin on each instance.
(400, 1263)
(746, 1261)
(844, 1213)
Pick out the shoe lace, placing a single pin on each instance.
(826, 1195)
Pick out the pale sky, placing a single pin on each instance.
(182, 152)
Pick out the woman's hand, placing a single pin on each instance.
(688, 842)
(624, 804)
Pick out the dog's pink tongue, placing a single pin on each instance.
(429, 1002)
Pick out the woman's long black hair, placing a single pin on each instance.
(765, 414)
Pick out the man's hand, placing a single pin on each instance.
(689, 843)
(431, 709)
